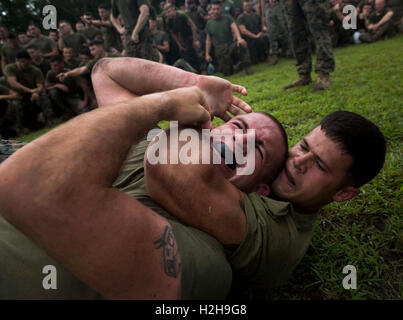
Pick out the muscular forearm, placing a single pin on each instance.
(18, 86)
(235, 31)
(116, 24)
(66, 169)
(385, 19)
(142, 19)
(246, 32)
(126, 76)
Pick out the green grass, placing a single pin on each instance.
(366, 232)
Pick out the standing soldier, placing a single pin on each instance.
(273, 18)
(250, 25)
(310, 16)
(28, 81)
(184, 33)
(221, 30)
(138, 38)
(110, 35)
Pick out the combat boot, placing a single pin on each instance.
(272, 60)
(323, 82)
(303, 80)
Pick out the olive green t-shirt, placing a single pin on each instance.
(72, 64)
(197, 17)
(251, 22)
(160, 37)
(130, 11)
(70, 82)
(8, 53)
(276, 240)
(92, 63)
(374, 18)
(90, 33)
(45, 44)
(179, 25)
(111, 38)
(220, 30)
(4, 90)
(206, 273)
(75, 41)
(29, 78)
(44, 66)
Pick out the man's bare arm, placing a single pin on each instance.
(120, 79)
(141, 22)
(104, 237)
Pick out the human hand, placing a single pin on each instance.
(208, 58)
(135, 37)
(34, 97)
(241, 42)
(188, 106)
(220, 98)
(197, 44)
(62, 76)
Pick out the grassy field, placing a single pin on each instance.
(367, 232)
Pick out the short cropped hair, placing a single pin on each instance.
(57, 58)
(359, 138)
(23, 54)
(105, 6)
(96, 43)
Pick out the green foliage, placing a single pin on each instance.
(366, 232)
(19, 13)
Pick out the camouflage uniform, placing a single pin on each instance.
(129, 10)
(310, 15)
(8, 147)
(277, 29)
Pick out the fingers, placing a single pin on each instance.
(235, 110)
(241, 104)
(239, 89)
(226, 117)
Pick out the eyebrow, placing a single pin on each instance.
(258, 141)
(315, 155)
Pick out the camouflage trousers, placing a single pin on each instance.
(259, 48)
(304, 16)
(229, 56)
(8, 147)
(25, 113)
(184, 65)
(277, 29)
(64, 103)
(145, 49)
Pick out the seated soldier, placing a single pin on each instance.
(10, 125)
(64, 94)
(379, 23)
(221, 30)
(70, 62)
(37, 59)
(28, 81)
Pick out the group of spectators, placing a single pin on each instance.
(44, 77)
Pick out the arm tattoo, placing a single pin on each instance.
(167, 242)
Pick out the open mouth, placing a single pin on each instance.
(289, 177)
(223, 150)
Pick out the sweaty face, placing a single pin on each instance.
(57, 66)
(247, 7)
(267, 154)
(314, 171)
(68, 53)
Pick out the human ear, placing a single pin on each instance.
(262, 189)
(347, 193)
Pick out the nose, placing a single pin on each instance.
(241, 139)
(302, 162)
